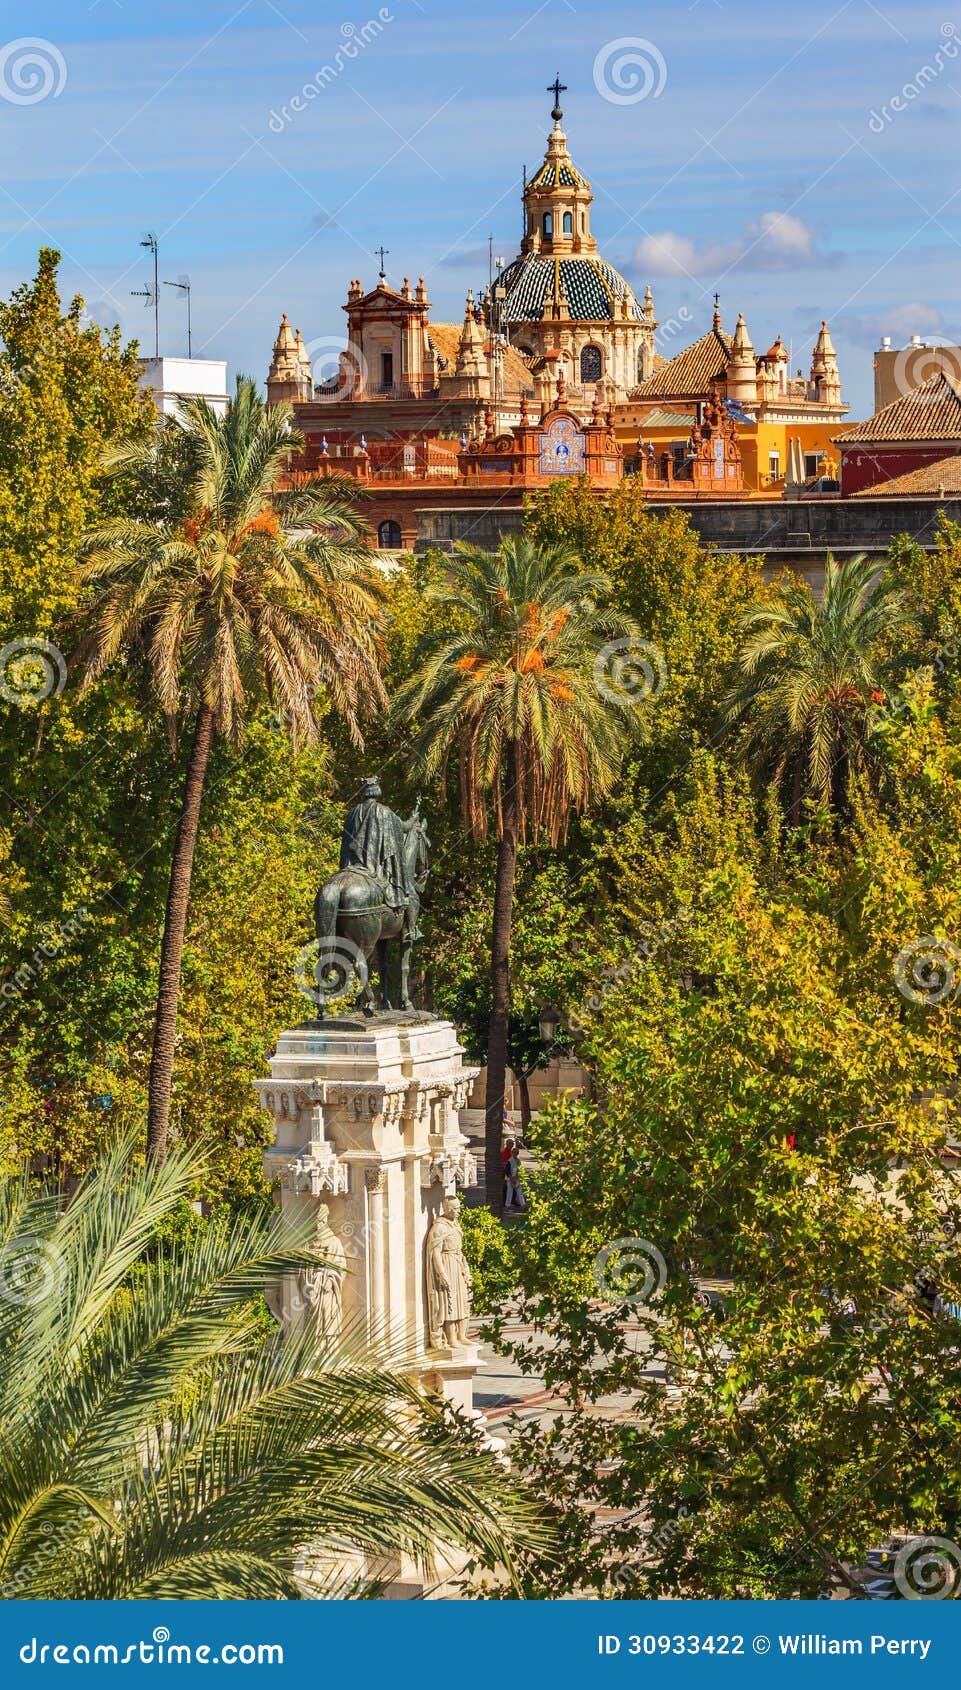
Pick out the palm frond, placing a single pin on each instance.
(513, 662)
(248, 595)
(155, 1443)
(805, 672)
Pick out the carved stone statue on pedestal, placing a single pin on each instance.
(316, 1295)
(322, 1288)
(448, 1281)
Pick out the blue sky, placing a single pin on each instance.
(766, 159)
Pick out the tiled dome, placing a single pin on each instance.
(591, 286)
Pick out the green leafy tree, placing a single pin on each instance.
(687, 600)
(66, 388)
(727, 1241)
(932, 577)
(807, 675)
(159, 1441)
(233, 604)
(508, 684)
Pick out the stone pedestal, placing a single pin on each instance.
(365, 1114)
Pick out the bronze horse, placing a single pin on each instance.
(353, 918)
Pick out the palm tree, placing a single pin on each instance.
(157, 1441)
(232, 595)
(512, 681)
(807, 675)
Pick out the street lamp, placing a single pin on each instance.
(549, 1022)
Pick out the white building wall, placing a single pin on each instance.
(168, 380)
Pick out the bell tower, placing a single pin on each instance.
(557, 198)
(825, 384)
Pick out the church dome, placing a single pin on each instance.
(559, 272)
(592, 289)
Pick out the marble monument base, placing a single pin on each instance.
(365, 1112)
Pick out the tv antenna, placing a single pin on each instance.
(151, 296)
(183, 283)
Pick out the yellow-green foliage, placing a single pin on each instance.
(66, 387)
(770, 1107)
(90, 801)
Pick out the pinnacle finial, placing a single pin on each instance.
(557, 88)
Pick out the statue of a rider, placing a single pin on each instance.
(374, 838)
(372, 900)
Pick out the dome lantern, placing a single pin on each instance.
(557, 198)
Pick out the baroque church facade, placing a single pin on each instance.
(559, 308)
(415, 405)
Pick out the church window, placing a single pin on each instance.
(641, 360)
(590, 364)
(548, 225)
(388, 535)
(386, 370)
(568, 223)
(583, 224)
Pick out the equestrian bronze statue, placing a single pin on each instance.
(372, 899)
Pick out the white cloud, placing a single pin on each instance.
(777, 240)
(900, 322)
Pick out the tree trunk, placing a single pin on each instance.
(171, 950)
(840, 780)
(794, 812)
(500, 982)
(523, 1086)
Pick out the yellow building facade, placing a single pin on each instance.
(784, 423)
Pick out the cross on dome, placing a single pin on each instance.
(557, 88)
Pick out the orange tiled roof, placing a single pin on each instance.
(691, 372)
(931, 411)
(516, 367)
(445, 338)
(938, 478)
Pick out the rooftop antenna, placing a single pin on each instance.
(151, 296)
(382, 252)
(183, 283)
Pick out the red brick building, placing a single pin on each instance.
(921, 428)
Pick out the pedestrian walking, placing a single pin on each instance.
(513, 1189)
